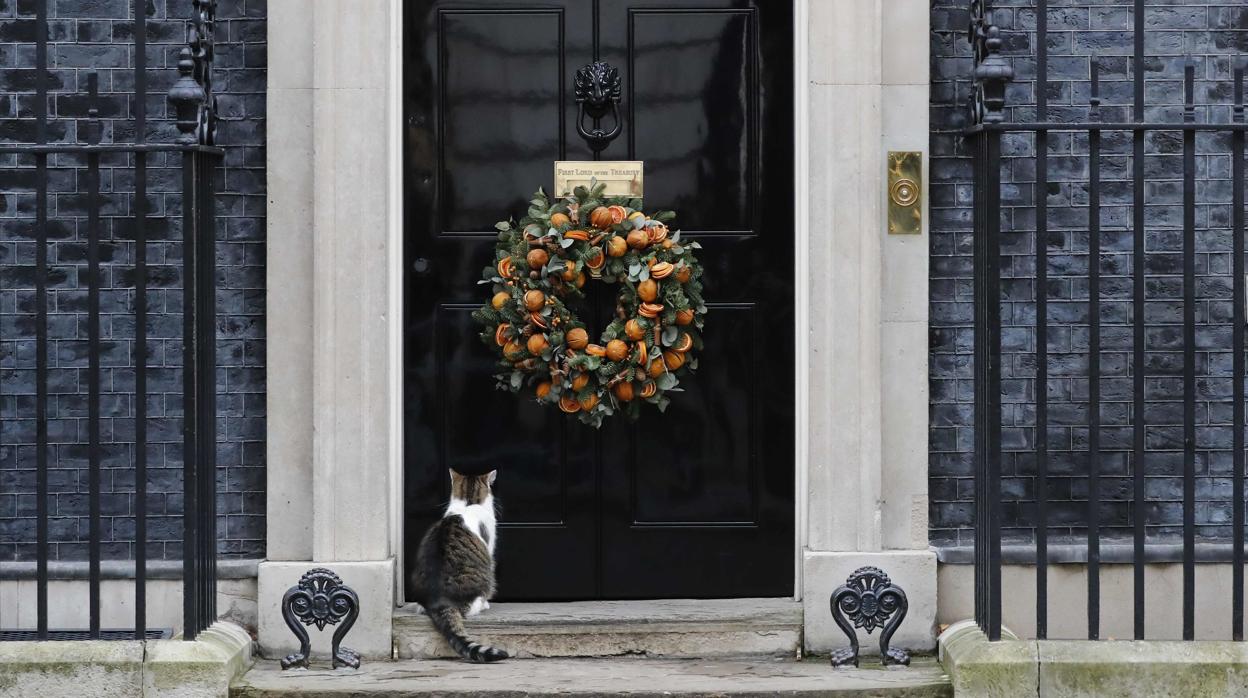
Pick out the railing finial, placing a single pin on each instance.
(191, 95)
(992, 71)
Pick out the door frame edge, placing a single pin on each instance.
(394, 268)
(801, 285)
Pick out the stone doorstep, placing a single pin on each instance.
(629, 676)
(203, 668)
(1078, 668)
(668, 628)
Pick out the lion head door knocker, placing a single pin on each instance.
(869, 599)
(597, 92)
(320, 598)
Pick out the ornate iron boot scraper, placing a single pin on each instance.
(870, 600)
(320, 598)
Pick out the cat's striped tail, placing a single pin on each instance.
(449, 621)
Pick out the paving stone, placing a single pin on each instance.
(740, 678)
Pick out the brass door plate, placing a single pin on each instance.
(905, 193)
(622, 177)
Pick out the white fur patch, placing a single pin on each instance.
(477, 517)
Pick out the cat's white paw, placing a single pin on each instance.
(478, 604)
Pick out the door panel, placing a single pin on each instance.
(694, 124)
(694, 503)
(465, 415)
(718, 486)
(501, 111)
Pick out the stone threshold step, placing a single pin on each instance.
(623, 676)
(667, 628)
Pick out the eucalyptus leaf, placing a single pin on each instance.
(502, 225)
(645, 274)
(666, 381)
(669, 335)
(566, 243)
(516, 379)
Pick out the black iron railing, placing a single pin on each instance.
(196, 155)
(991, 122)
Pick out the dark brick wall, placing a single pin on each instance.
(1080, 30)
(97, 35)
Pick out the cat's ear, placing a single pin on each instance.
(493, 476)
(454, 475)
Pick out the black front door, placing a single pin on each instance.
(697, 502)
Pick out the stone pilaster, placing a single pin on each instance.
(332, 462)
(866, 500)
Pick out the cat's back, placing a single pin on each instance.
(448, 540)
(451, 560)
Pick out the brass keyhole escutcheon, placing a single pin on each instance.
(905, 193)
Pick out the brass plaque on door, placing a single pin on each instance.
(622, 177)
(905, 193)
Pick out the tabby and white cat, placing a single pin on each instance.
(454, 574)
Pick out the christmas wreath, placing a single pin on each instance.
(541, 265)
